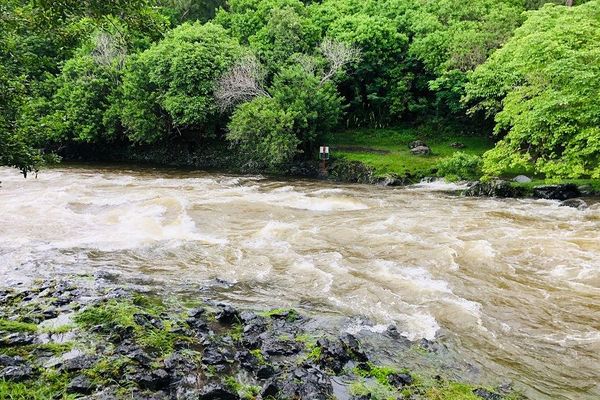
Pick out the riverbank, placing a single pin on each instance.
(59, 339)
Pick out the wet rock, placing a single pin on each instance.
(306, 382)
(457, 145)
(80, 384)
(391, 180)
(214, 355)
(254, 326)
(495, 188)
(216, 391)
(265, 371)
(400, 380)
(155, 380)
(17, 373)
(135, 353)
(486, 394)
(196, 321)
(352, 171)
(587, 190)
(416, 143)
(279, 346)
(333, 354)
(420, 151)
(353, 348)
(556, 192)
(521, 179)
(17, 339)
(227, 315)
(575, 203)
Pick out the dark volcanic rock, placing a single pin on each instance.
(227, 314)
(556, 192)
(495, 188)
(78, 363)
(254, 326)
(8, 361)
(17, 373)
(80, 384)
(17, 339)
(400, 380)
(274, 345)
(353, 347)
(147, 321)
(215, 391)
(333, 354)
(486, 394)
(305, 382)
(575, 203)
(155, 380)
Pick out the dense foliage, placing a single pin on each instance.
(272, 77)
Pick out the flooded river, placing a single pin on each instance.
(513, 285)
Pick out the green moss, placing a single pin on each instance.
(248, 392)
(373, 390)
(236, 332)
(51, 384)
(16, 326)
(107, 370)
(380, 373)
(452, 391)
(257, 353)
(120, 313)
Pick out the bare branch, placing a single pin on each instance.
(338, 55)
(107, 50)
(242, 83)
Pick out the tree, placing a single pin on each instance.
(242, 83)
(168, 89)
(543, 87)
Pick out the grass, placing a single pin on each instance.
(387, 152)
(16, 326)
(528, 186)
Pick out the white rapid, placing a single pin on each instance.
(513, 285)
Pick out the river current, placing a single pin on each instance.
(513, 285)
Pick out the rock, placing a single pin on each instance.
(306, 382)
(352, 171)
(420, 151)
(265, 371)
(353, 348)
(495, 188)
(333, 354)
(8, 361)
(457, 145)
(17, 373)
(216, 391)
(277, 346)
(254, 326)
(154, 380)
(227, 315)
(575, 203)
(213, 355)
(587, 190)
(486, 394)
(78, 363)
(556, 192)
(391, 180)
(521, 179)
(147, 321)
(17, 339)
(400, 380)
(417, 143)
(80, 384)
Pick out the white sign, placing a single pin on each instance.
(324, 150)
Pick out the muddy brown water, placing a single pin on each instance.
(512, 285)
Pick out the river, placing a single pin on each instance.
(513, 285)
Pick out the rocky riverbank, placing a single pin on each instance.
(60, 339)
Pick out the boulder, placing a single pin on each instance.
(227, 314)
(556, 192)
(217, 391)
(417, 143)
(521, 179)
(80, 384)
(486, 394)
(17, 373)
(457, 145)
(420, 151)
(575, 203)
(495, 188)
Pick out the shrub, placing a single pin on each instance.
(460, 166)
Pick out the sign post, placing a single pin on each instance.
(324, 157)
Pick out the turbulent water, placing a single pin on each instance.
(513, 285)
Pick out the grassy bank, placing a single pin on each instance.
(387, 152)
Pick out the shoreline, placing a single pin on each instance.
(60, 339)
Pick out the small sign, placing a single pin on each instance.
(324, 152)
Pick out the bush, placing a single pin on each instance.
(264, 132)
(460, 166)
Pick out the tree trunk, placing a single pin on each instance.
(569, 3)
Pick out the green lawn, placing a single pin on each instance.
(387, 152)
